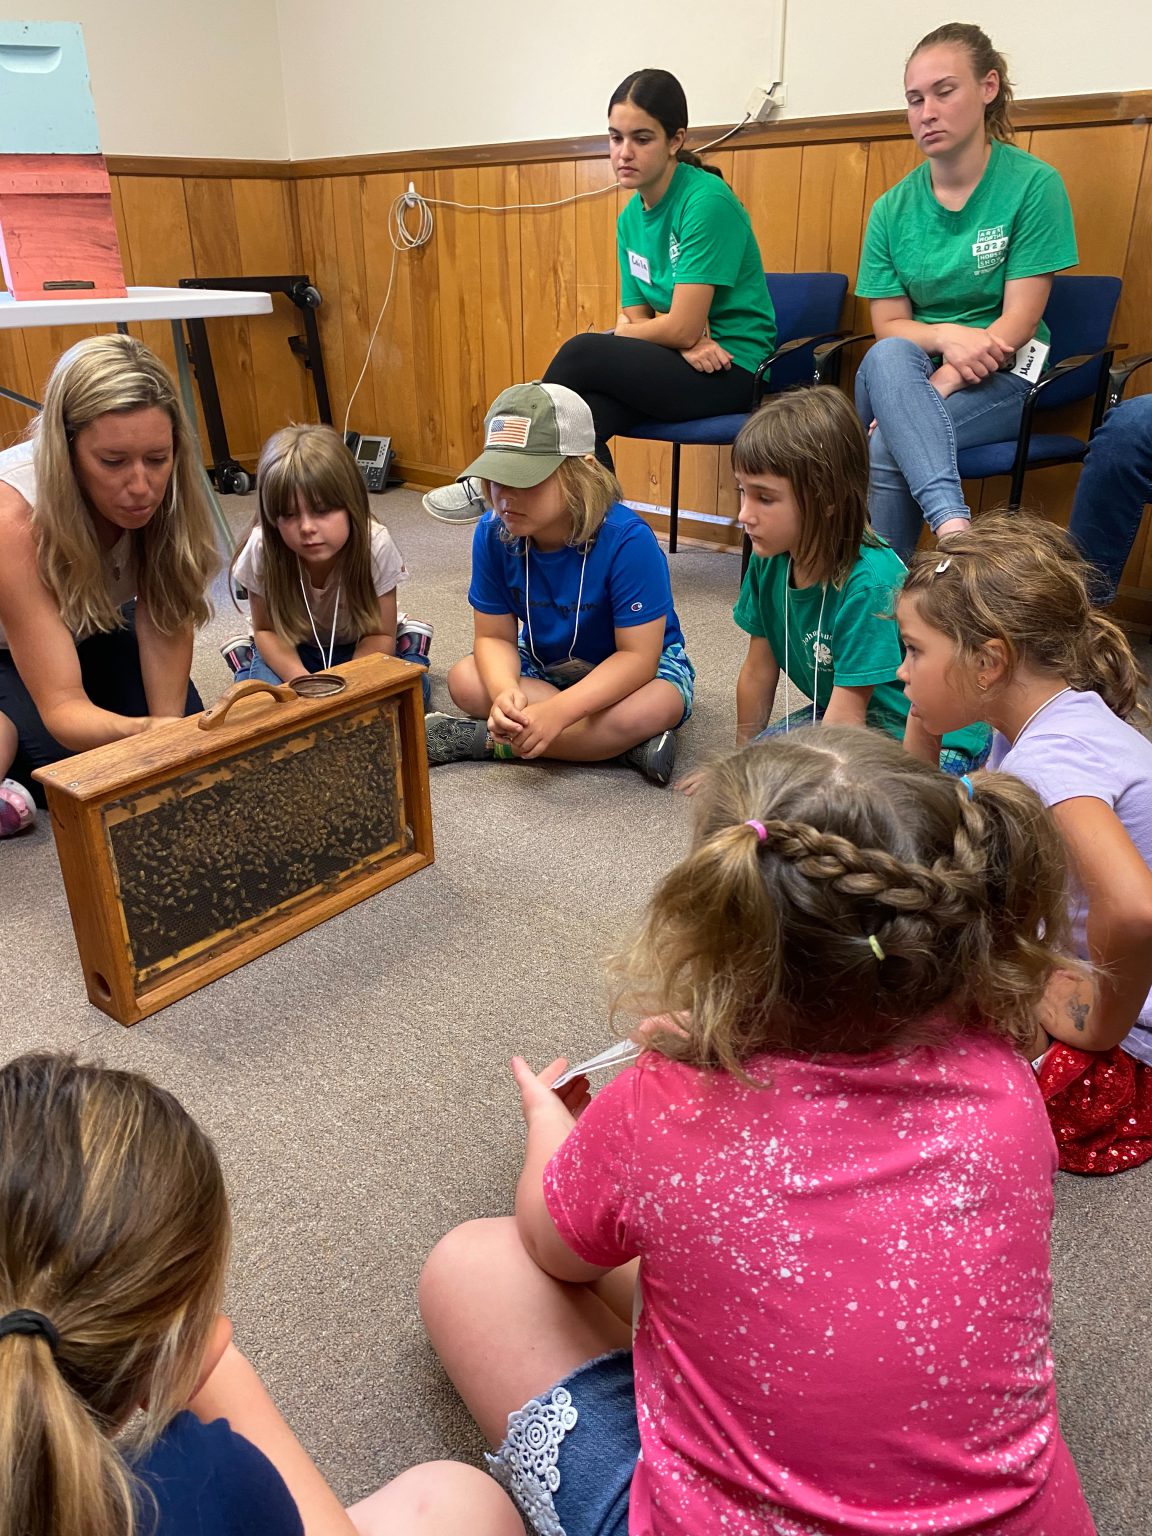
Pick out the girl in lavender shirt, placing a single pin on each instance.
(835, 1171)
(998, 626)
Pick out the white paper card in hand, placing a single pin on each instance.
(617, 1055)
(1030, 359)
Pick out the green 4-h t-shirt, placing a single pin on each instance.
(952, 266)
(699, 232)
(853, 643)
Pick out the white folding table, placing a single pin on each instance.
(172, 304)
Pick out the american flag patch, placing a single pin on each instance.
(512, 431)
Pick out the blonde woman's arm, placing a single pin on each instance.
(165, 663)
(41, 646)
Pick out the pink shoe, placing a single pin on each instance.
(17, 808)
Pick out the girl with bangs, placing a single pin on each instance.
(818, 595)
(321, 573)
(108, 552)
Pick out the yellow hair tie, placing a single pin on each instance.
(874, 946)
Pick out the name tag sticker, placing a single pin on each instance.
(638, 266)
(1030, 359)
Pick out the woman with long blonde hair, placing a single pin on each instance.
(108, 551)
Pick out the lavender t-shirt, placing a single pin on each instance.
(1076, 747)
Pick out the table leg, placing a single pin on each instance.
(184, 373)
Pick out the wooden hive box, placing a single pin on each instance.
(191, 849)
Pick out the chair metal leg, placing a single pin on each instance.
(674, 509)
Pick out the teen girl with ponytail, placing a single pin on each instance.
(998, 625)
(695, 321)
(958, 261)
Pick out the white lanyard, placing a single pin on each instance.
(327, 660)
(1036, 711)
(816, 650)
(528, 607)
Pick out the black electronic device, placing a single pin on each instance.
(373, 457)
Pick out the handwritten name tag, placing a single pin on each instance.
(638, 266)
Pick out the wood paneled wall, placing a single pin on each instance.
(487, 301)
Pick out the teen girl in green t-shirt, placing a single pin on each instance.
(695, 319)
(958, 261)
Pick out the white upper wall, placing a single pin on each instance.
(273, 79)
(438, 73)
(179, 77)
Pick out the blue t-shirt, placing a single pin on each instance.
(625, 582)
(209, 1481)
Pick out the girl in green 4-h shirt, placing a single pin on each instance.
(696, 320)
(958, 261)
(819, 595)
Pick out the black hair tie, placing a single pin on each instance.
(32, 1324)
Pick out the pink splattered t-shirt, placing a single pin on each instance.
(847, 1297)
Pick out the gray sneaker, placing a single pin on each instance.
(458, 503)
(453, 740)
(654, 758)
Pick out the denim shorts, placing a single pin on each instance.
(570, 1453)
(674, 667)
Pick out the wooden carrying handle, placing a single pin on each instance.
(215, 716)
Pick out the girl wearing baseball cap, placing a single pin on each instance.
(578, 653)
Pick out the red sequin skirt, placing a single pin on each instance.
(1100, 1107)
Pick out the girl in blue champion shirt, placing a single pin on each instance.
(578, 653)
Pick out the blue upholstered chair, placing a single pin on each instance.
(1079, 316)
(807, 306)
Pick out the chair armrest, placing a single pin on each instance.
(831, 351)
(1070, 364)
(783, 351)
(1027, 414)
(1119, 375)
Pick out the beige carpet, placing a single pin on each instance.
(356, 1083)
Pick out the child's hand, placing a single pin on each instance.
(537, 1100)
(543, 722)
(691, 782)
(508, 719)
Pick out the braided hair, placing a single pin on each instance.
(841, 896)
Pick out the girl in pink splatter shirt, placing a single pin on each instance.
(837, 1178)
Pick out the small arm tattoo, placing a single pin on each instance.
(1078, 1013)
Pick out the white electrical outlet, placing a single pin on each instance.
(762, 103)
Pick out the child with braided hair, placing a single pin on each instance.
(998, 625)
(833, 1167)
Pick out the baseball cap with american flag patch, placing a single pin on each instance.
(528, 433)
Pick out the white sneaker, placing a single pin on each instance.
(457, 503)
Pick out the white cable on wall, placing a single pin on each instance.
(404, 238)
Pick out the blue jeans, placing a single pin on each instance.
(913, 474)
(1115, 485)
(313, 662)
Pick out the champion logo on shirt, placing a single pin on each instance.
(991, 248)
